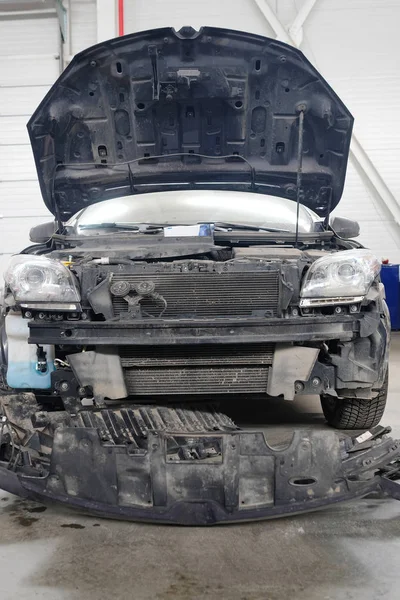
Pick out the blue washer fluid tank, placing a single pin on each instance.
(22, 370)
(390, 279)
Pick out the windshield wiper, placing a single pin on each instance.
(108, 226)
(239, 226)
(147, 228)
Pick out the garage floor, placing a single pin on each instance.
(348, 552)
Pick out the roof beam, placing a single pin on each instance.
(296, 28)
(373, 179)
(274, 22)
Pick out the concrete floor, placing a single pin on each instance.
(350, 552)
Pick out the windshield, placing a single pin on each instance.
(193, 207)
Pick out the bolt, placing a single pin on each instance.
(28, 314)
(338, 310)
(298, 386)
(295, 312)
(41, 315)
(316, 381)
(82, 392)
(353, 308)
(84, 316)
(93, 63)
(64, 386)
(306, 311)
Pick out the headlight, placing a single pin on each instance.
(341, 278)
(39, 279)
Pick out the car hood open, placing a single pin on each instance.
(163, 110)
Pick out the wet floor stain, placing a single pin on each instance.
(73, 525)
(183, 586)
(25, 521)
(186, 586)
(37, 509)
(5, 499)
(96, 524)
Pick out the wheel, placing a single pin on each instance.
(350, 413)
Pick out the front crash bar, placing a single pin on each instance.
(211, 477)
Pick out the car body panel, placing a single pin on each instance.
(161, 110)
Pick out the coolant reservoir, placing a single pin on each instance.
(22, 371)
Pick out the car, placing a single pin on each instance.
(193, 254)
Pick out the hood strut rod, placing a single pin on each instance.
(299, 171)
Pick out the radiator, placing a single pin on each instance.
(196, 369)
(205, 295)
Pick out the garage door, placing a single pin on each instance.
(29, 64)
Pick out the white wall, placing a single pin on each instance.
(83, 24)
(29, 64)
(232, 14)
(355, 44)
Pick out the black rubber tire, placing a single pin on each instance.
(350, 413)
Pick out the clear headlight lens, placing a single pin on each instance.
(340, 278)
(40, 279)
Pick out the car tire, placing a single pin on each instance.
(350, 413)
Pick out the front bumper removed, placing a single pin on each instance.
(185, 464)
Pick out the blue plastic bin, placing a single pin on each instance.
(390, 279)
